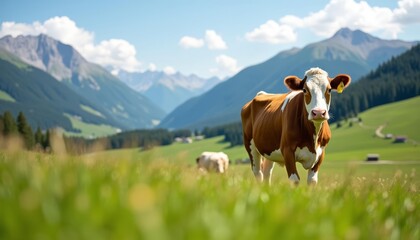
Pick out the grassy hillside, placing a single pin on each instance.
(6, 97)
(354, 143)
(42, 99)
(401, 118)
(88, 130)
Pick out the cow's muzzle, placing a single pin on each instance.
(319, 114)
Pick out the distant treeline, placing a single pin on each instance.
(143, 138)
(149, 138)
(394, 80)
(11, 128)
(232, 133)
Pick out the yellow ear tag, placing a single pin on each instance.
(340, 87)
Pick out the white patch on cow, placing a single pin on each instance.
(312, 176)
(254, 150)
(268, 170)
(315, 71)
(307, 158)
(317, 83)
(261, 93)
(289, 97)
(256, 156)
(294, 178)
(276, 156)
(319, 151)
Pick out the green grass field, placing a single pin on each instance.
(89, 130)
(160, 194)
(6, 97)
(121, 197)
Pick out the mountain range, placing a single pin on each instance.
(100, 93)
(53, 84)
(351, 52)
(167, 90)
(45, 101)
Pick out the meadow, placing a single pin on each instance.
(160, 194)
(63, 197)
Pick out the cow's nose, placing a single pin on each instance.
(318, 114)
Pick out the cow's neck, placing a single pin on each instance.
(313, 128)
(318, 126)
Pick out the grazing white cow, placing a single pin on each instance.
(213, 161)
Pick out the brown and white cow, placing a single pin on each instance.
(292, 127)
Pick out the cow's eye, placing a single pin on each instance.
(304, 90)
(329, 90)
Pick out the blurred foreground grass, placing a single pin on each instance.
(61, 197)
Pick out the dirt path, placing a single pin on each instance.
(378, 131)
(380, 134)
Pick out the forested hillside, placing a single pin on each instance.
(43, 99)
(394, 80)
(111, 101)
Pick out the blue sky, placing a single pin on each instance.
(217, 37)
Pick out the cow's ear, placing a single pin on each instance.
(340, 82)
(294, 83)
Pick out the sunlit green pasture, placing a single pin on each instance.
(125, 197)
(89, 130)
(401, 118)
(6, 97)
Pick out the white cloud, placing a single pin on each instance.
(272, 32)
(226, 66)
(407, 12)
(65, 30)
(355, 15)
(191, 42)
(152, 67)
(214, 41)
(16, 29)
(115, 53)
(338, 14)
(169, 70)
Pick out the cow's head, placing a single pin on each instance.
(316, 87)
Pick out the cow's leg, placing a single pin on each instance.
(267, 170)
(313, 172)
(289, 158)
(256, 162)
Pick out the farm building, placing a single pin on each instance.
(372, 157)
